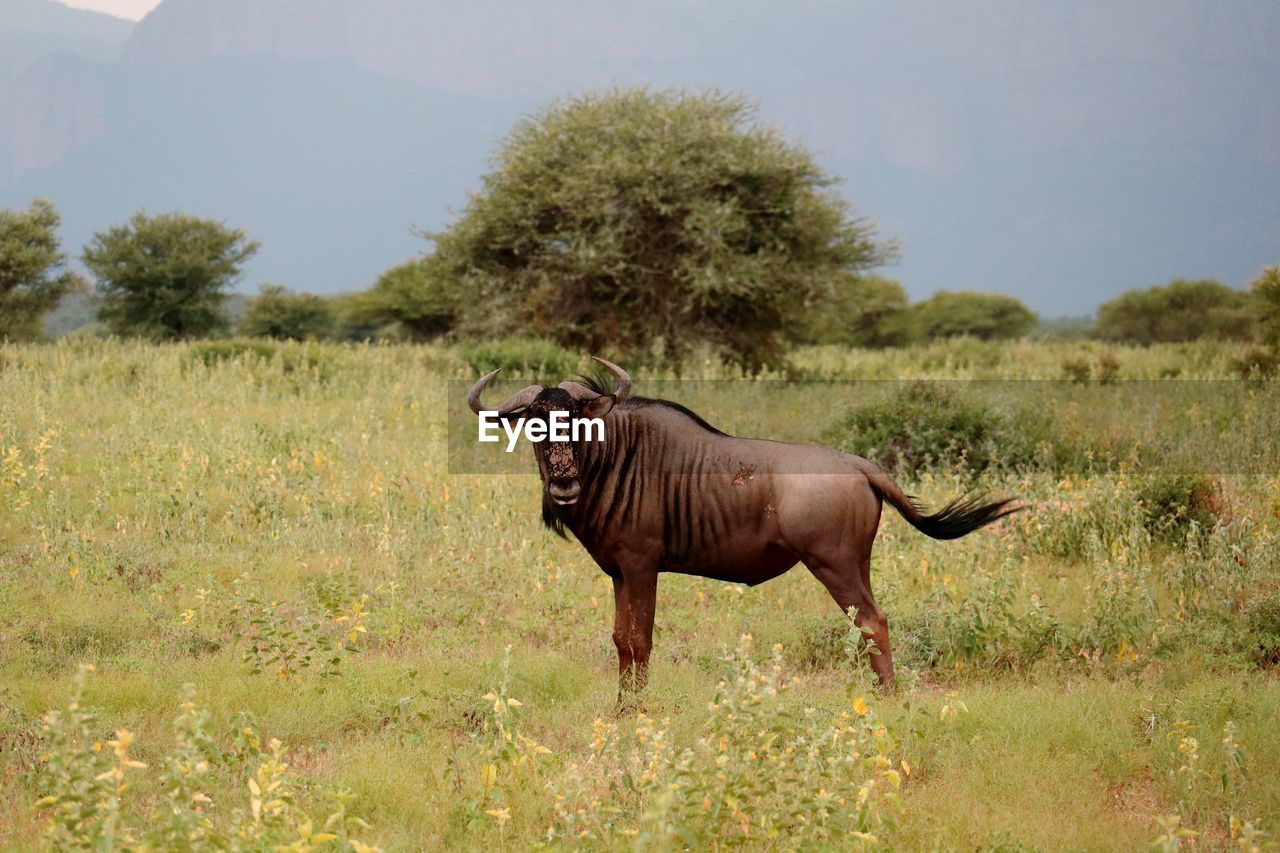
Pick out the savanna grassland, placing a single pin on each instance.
(246, 600)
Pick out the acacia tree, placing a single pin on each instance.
(32, 269)
(621, 220)
(166, 277)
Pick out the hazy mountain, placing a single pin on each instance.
(41, 32)
(1060, 150)
(32, 29)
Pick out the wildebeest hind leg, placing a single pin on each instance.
(849, 585)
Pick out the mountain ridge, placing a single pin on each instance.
(1060, 151)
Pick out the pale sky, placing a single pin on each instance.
(131, 9)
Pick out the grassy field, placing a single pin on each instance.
(286, 533)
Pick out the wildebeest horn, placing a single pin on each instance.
(518, 400)
(624, 381)
(577, 390)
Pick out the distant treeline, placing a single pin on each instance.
(409, 303)
(640, 223)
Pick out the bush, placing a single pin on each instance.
(1266, 294)
(987, 620)
(1106, 371)
(1262, 619)
(407, 295)
(925, 425)
(210, 353)
(277, 313)
(1172, 500)
(864, 311)
(89, 798)
(762, 766)
(1179, 311)
(1257, 363)
(521, 356)
(986, 316)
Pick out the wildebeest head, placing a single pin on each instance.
(557, 460)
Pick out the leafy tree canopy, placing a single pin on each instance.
(986, 316)
(618, 221)
(1266, 293)
(1179, 311)
(32, 269)
(166, 277)
(863, 311)
(277, 313)
(411, 294)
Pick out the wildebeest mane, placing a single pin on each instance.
(604, 385)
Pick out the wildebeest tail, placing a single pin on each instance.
(959, 516)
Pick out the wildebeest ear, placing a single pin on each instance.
(598, 408)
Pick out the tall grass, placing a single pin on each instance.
(279, 528)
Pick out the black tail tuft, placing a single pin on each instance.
(963, 515)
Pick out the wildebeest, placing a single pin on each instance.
(667, 492)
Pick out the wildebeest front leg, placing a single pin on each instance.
(635, 593)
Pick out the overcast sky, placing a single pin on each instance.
(131, 9)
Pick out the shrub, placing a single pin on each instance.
(1076, 369)
(85, 787)
(277, 313)
(520, 356)
(1262, 619)
(1179, 311)
(819, 643)
(1266, 294)
(762, 770)
(1172, 501)
(408, 295)
(926, 425)
(981, 621)
(1121, 614)
(986, 316)
(210, 353)
(1106, 371)
(1258, 363)
(864, 311)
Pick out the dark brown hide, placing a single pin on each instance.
(666, 492)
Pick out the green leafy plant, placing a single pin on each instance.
(277, 313)
(762, 771)
(1173, 501)
(924, 426)
(289, 641)
(85, 788)
(83, 777)
(520, 357)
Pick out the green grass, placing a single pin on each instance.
(287, 487)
